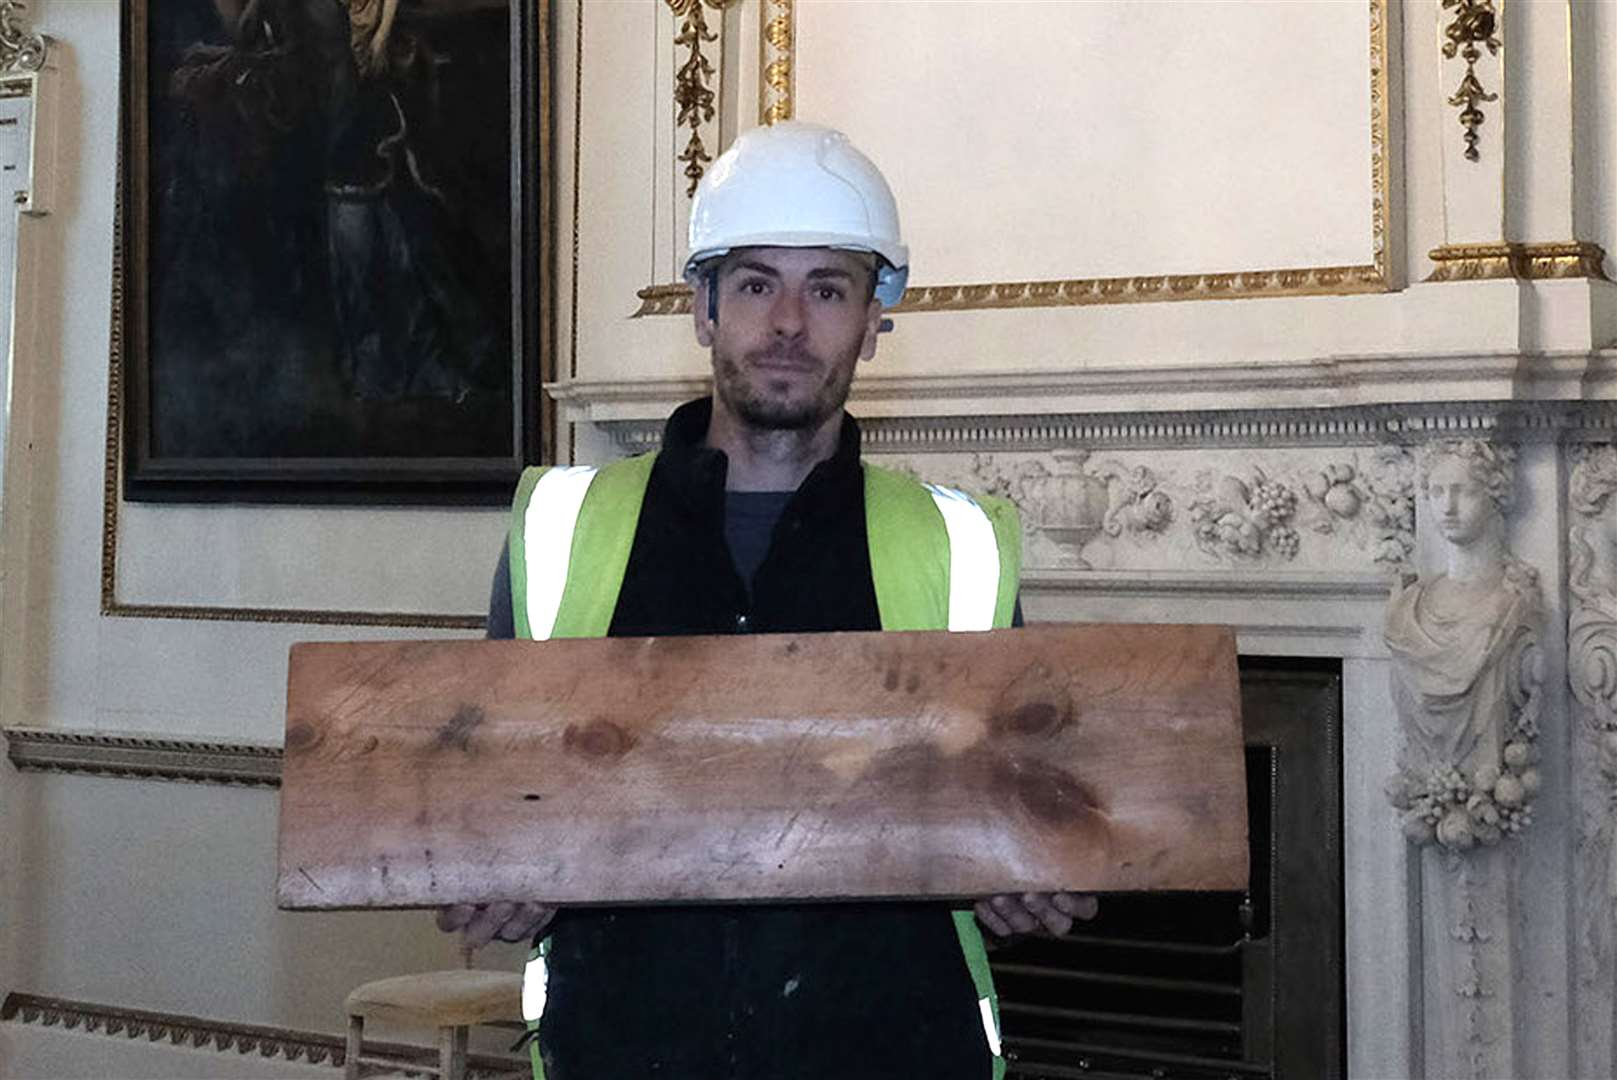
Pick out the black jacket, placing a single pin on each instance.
(852, 991)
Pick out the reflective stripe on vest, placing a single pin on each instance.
(535, 987)
(549, 521)
(535, 991)
(973, 559)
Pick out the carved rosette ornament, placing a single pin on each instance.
(1473, 24)
(692, 95)
(21, 50)
(1467, 670)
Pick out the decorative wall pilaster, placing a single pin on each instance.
(1467, 673)
(1592, 673)
(1511, 171)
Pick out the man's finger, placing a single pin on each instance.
(1013, 911)
(526, 921)
(1043, 908)
(1078, 905)
(481, 930)
(455, 917)
(990, 918)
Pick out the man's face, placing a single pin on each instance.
(792, 324)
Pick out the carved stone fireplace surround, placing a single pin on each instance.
(1283, 499)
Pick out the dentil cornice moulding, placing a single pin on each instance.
(1325, 381)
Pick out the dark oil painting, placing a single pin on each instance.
(329, 257)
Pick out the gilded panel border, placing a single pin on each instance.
(777, 66)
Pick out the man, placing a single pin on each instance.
(757, 516)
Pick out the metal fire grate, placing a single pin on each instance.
(1211, 986)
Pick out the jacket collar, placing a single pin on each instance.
(698, 470)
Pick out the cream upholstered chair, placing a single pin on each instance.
(451, 1001)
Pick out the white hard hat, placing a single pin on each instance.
(798, 185)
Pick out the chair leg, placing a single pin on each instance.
(350, 1061)
(452, 1053)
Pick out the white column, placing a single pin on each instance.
(1383, 913)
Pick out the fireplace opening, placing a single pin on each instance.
(1211, 986)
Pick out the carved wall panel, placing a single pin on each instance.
(1296, 509)
(1592, 674)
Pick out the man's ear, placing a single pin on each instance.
(867, 347)
(699, 302)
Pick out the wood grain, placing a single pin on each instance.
(766, 767)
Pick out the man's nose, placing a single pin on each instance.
(787, 313)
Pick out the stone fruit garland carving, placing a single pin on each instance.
(1467, 669)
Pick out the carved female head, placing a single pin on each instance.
(1469, 484)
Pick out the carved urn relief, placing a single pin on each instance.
(1069, 505)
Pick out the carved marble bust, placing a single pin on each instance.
(1466, 666)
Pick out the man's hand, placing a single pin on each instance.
(1023, 913)
(480, 924)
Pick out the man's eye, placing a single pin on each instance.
(827, 292)
(754, 288)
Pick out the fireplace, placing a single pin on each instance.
(1212, 986)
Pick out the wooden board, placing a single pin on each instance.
(766, 767)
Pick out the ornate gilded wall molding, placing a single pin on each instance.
(1080, 292)
(776, 73)
(143, 757)
(255, 1040)
(21, 49)
(776, 45)
(1473, 24)
(1527, 262)
(693, 97)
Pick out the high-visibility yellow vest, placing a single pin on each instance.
(940, 560)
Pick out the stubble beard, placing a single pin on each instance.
(749, 400)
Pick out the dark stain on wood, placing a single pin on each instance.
(456, 733)
(1052, 795)
(891, 681)
(301, 737)
(600, 738)
(1034, 703)
(912, 684)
